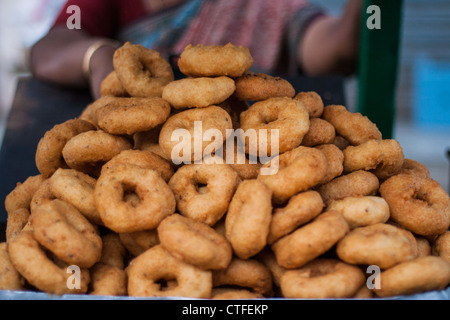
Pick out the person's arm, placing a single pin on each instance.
(58, 58)
(330, 44)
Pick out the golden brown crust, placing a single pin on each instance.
(259, 86)
(213, 61)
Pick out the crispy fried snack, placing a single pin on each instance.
(322, 278)
(155, 199)
(49, 150)
(354, 127)
(286, 115)
(380, 244)
(362, 211)
(142, 72)
(111, 86)
(76, 188)
(259, 86)
(248, 273)
(300, 209)
(40, 271)
(441, 246)
(320, 132)
(419, 275)
(204, 191)
(61, 228)
(214, 61)
(143, 159)
(382, 157)
(212, 117)
(157, 264)
(194, 242)
(131, 115)
(139, 241)
(10, 279)
(248, 218)
(310, 241)
(418, 204)
(356, 184)
(312, 102)
(89, 151)
(198, 92)
(299, 170)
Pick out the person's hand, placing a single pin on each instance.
(101, 65)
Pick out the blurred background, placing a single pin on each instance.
(423, 88)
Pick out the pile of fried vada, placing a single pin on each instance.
(113, 213)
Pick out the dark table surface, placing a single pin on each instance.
(38, 106)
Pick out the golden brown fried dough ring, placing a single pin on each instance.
(111, 86)
(248, 218)
(31, 262)
(414, 167)
(156, 264)
(20, 197)
(15, 223)
(143, 159)
(380, 244)
(139, 241)
(77, 189)
(234, 294)
(335, 161)
(354, 127)
(88, 151)
(419, 275)
(322, 278)
(356, 184)
(247, 274)
(362, 211)
(198, 92)
(259, 86)
(142, 72)
(62, 229)
(382, 157)
(300, 209)
(131, 115)
(299, 170)
(88, 113)
(286, 115)
(213, 61)
(212, 117)
(49, 150)
(313, 103)
(10, 279)
(320, 132)
(207, 204)
(441, 246)
(156, 200)
(194, 242)
(419, 205)
(310, 241)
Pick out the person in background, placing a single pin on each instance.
(285, 37)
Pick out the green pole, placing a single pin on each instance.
(378, 59)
